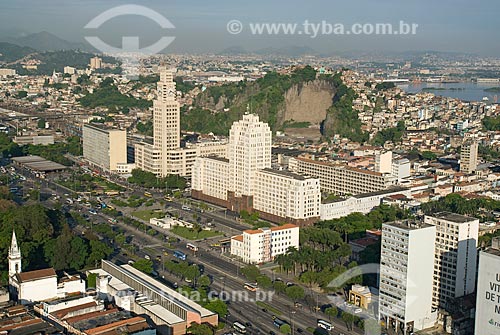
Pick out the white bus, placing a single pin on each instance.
(192, 247)
(325, 325)
(239, 327)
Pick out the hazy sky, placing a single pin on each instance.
(444, 25)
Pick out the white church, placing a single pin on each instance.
(38, 285)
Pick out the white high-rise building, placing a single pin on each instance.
(165, 156)
(455, 256)
(468, 157)
(245, 181)
(488, 291)
(166, 114)
(249, 151)
(406, 267)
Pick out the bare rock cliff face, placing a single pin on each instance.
(308, 102)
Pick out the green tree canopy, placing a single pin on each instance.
(144, 265)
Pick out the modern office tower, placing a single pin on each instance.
(249, 150)
(95, 63)
(165, 156)
(245, 181)
(342, 179)
(468, 157)
(383, 161)
(104, 147)
(262, 245)
(406, 266)
(454, 257)
(488, 291)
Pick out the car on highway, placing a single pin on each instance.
(92, 211)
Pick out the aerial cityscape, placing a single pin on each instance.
(221, 168)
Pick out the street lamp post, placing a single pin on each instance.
(290, 312)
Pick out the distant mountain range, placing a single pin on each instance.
(11, 52)
(291, 51)
(45, 41)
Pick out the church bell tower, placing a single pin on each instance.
(14, 256)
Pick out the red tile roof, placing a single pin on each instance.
(35, 275)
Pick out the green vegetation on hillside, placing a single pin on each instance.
(57, 60)
(488, 153)
(390, 134)
(384, 86)
(108, 95)
(11, 52)
(491, 123)
(265, 97)
(342, 119)
(183, 86)
(205, 121)
(145, 128)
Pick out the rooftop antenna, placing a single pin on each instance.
(248, 109)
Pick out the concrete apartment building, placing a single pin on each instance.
(245, 181)
(341, 179)
(134, 291)
(104, 147)
(488, 288)
(165, 156)
(383, 161)
(406, 268)
(262, 245)
(468, 157)
(455, 256)
(283, 194)
(95, 63)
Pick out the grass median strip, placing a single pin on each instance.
(270, 308)
(191, 234)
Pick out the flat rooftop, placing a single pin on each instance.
(394, 189)
(285, 173)
(164, 291)
(218, 158)
(37, 163)
(452, 217)
(408, 225)
(492, 251)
